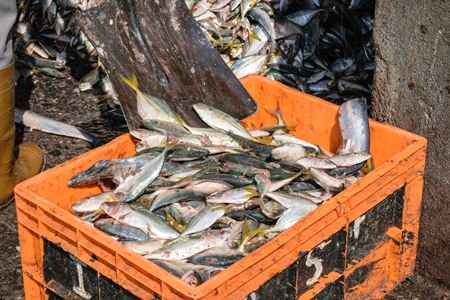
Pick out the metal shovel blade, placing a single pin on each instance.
(161, 42)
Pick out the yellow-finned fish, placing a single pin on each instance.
(216, 137)
(134, 185)
(150, 107)
(219, 120)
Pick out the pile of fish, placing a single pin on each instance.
(196, 200)
(46, 37)
(321, 47)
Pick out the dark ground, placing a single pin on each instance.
(61, 99)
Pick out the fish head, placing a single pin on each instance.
(202, 107)
(192, 278)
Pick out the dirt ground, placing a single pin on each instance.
(61, 99)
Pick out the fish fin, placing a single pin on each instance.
(368, 166)
(272, 111)
(263, 72)
(251, 192)
(174, 223)
(110, 199)
(252, 35)
(133, 82)
(245, 228)
(261, 204)
(248, 235)
(171, 141)
(266, 140)
(244, 237)
(256, 231)
(221, 207)
(291, 127)
(213, 40)
(181, 121)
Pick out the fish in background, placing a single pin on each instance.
(324, 48)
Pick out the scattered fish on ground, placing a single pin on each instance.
(48, 125)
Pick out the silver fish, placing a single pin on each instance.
(354, 124)
(220, 120)
(349, 159)
(283, 139)
(204, 219)
(289, 152)
(150, 107)
(290, 217)
(91, 203)
(121, 231)
(189, 245)
(45, 124)
(117, 169)
(316, 162)
(175, 195)
(145, 247)
(290, 201)
(328, 182)
(134, 185)
(233, 196)
(140, 218)
(248, 65)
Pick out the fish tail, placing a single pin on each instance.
(248, 235)
(110, 199)
(277, 113)
(291, 127)
(261, 203)
(368, 166)
(266, 141)
(182, 122)
(272, 111)
(252, 35)
(252, 192)
(133, 82)
(279, 116)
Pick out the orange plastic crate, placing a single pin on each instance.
(358, 245)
